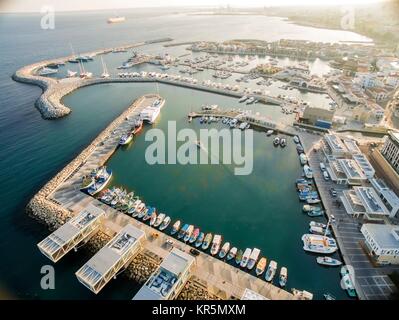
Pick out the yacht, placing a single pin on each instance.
(126, 139)
(238, 257)
(217, 241)
(165, 223)
(71, 74)
(105, 73)
(319, 244)
(225, 249)
(327, 261)
(194, 235)
(261, 266)
(47, 71)
(283, 277)
(271, 271)
(245, 257)
(308, 171)
(253, 258)
(232, 253)
(276, 141)
(176, 227)
(207, 241)
(159, 220)
(188, 233)
(116, 19)
(200, 240)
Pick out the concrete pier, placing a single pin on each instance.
(61, 199)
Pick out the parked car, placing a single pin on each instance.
(333, 192)
(194, 252)
(326, 176)
(322, 166)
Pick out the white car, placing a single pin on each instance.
(326, 176)
(322, 166)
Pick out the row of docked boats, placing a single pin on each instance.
(127, 137)
(96, 180)
(307, 192)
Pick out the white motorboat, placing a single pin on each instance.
(245, 257)
(243, 98)
(319, 244)
(71, 74)
(276, 141)
(271, 271)
(327, 261)
(269, 132)
(261, 266)
(317, 224)
(302, 294)
(47, 71)
(159, 220)
(308, 171)
(253, 258)
(188, 233)
(283, 277)
(216, 242)
(225, 249)
(165, 223)
(320, 231)
(232, 253)
(296, 139)
(303, 158)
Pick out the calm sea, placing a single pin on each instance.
(32, 150)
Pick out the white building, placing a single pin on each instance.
(346, 171)
(388, 197)
(390, 150)
(168, 280)
(382, 242)
(364, 164)
(364, 201)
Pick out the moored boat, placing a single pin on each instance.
(276, 141)
(261, 266)
(245, 257)
(159, 220)
(283, 142)
(296, 139)
(329, 296)
(207, 241)
(165, 223)
(317, 224)
(217, 241)
(176, 227)
(319, 244)
(126, 139)
(224, 250)
(327, 261)
(302, 294)
(153, 218)
(271, 271)
(188, 233)
(149, 213)
(140, 208)
(269, 132)
(303, 158)
(253, 258)
(307, 171)
(320, 231)
(182, 231)
(347, 281)
(194, 236)
(200, 239)
(232, 253)
(283, 277)
(239, 255)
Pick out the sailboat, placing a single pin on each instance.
(84, 74)
(105, 73)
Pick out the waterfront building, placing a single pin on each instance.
(388, 197)
(75, 231)
(313, 115)
(364, 201)
(390, 150)
(111, 259)
(382, 242)
(168, 280)
(333, 147)
(364, 164)
(346, 171)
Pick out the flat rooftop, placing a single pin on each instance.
(386, 236)
(352, 146)
(335, 143)
(107, 257)
(351, 169)
(370, 200)
(364, 163)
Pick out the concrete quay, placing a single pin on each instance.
(63, 193)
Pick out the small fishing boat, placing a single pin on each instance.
(126, 139)
(283, 277)
(137, 127)
(224, 250)
(317, 224)
(245, 257)
(261, 266)
(159, 220)
(182, 231)
(217, 241)
(239, 255)
(194, 236)
(188, 233)
(269, 132)
(253, 258)
(296, 139)
(283, 142)
(200, 239)
(165, 223)
(142, 213)
(232, 253)
(153, 218)
(315, 213)
(149, 214)
(276, 141)
(327, 261)
(347, 281)
(271, 271)
(329, 296)
(303, 158)
(139, 209)
(207, 241)
(176, 227)
(320, 231)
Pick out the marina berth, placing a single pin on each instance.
(261, 266)
(319, 244)
(232, 253)
(283, 277)
(245, 257)
(176, 227)
(216, 242)
(207, 241)
(327, 261)
(271, 271)
(253, 258)
(225, 249)
(165, 223)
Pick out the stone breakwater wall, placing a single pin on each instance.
(193, 290)
(47, 210)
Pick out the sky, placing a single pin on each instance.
(72, 5)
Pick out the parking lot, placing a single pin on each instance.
(370, 282)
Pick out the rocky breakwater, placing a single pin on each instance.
(142, 267)
(193, 290)
(47, 210)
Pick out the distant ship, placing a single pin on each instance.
(116, 19)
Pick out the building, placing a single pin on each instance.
(388, 197)
(364, 164)
(382, 242)
(111, 259)
(333, 147)
(168, 280)
(364, 201)
(313, 115)
(346, 171)
(72, 233)
(390, 150)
